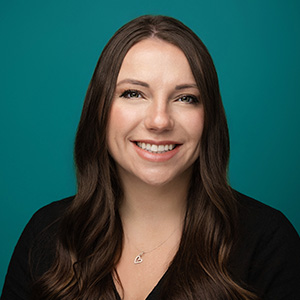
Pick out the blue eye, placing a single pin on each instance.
(188, 99)
(131, 94)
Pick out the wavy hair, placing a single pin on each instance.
(90, 239)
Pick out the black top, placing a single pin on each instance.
(266, 256)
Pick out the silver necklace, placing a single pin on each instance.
(139, 258)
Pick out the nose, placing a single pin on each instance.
(159, 117)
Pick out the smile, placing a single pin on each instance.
(155, 148)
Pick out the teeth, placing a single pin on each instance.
(156, 148)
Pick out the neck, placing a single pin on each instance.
(146, 206)
(152, 218)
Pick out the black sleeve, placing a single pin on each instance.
(18, 277)
(34, 252)
(276, 267)
(267, 256)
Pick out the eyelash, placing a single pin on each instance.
(129, 94)
(193, 99)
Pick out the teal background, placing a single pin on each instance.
(47, 55)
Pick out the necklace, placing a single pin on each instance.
(139, 258)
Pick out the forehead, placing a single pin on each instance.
(154, 58)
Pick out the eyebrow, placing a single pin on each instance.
(186, 86)
(144, 84)
(135, 82)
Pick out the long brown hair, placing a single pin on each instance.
(90, 238)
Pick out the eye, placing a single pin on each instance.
(189, 99)
(131, 94)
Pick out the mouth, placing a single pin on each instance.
(153, 148)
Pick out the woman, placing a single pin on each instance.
(154, 216)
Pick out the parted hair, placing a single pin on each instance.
(89, 242)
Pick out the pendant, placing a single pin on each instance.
(138, 259)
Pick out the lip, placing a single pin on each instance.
(156, 157)
(157, 142)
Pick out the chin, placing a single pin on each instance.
(157, 181)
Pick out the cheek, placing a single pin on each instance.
(117, 121)
(113, 126)
(122, 114)
(194, 123)
(121, 121)
(116, 118)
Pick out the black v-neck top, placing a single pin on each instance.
(266, 256)
(154, 294)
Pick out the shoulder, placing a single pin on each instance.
(44, 219)
(43, 226)
(51, 212)
(35, 249)
(260, 220)
(266, 253)
(42, 231)
(259, 223)
(44, 222)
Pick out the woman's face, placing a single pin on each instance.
(156, 118)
